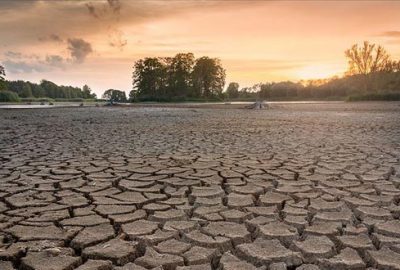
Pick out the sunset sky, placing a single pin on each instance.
(96, 42)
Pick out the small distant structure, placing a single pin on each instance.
(258, 105)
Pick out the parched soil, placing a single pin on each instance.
(299, 186)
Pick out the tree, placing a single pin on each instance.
(8, 96)
(37, 90)
(208, 77)
(51, 89)
(2, 73)
(392, 66)
(26, 91)
(265, 90)
(87, 92)
(366, 60)
(22, 88)
(115, 95)
(179, 74)
(233, 90)
(3, 85)
(149, 78)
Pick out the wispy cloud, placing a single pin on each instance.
(395, 34)
(22, 66)
(108, 15)
(51, 37)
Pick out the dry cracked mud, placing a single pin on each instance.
(299, 186)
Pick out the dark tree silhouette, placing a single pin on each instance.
(3, 85)
(87, 92)
(177, 78)
(2, 73)
(149, 78)
(233, 90)
(179, 74)
(208, 77)
(115, 95)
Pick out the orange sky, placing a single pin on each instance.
(96, 42)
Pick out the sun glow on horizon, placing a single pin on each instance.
(318, 71)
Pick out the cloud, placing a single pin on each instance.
(115, 6)
(108, 15)
(51, 37)
(13, 54)
(92, 10)
(112, 8)
(79, 49)
(22, 66)
(22, 22)
(395, 34)
(117, 39)
(17, 62)
(55, 61)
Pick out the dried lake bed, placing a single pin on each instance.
(298, 186)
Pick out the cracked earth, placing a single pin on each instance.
(306, 186)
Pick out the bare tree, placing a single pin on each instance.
(367, 60)
(392, 66)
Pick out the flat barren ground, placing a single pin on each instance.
(299, 186)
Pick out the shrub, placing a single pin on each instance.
(8, 96)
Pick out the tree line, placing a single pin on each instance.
(371, 72)
(177, 78)
(45, 89)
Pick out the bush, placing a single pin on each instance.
(8, 96)
(383, 96)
